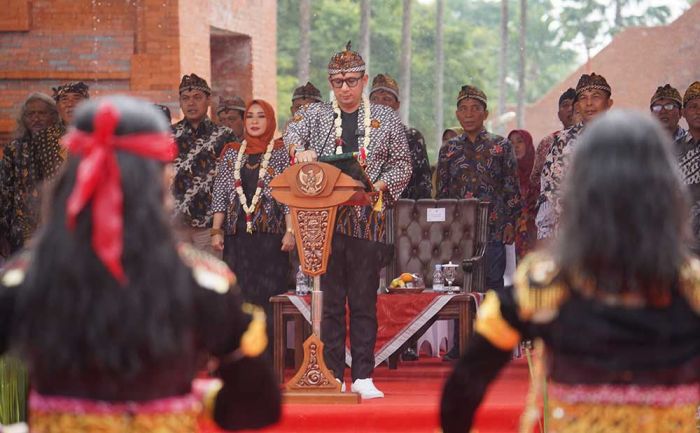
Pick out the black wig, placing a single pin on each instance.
(72, 315)
(624, 219)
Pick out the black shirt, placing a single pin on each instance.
(350, 131)
(250, 171)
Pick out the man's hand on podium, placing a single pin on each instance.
(380, 185)
(306, 156)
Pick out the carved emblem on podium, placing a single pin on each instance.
(311, 179)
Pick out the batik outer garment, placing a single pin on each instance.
(486, 170)
(688, 150)
(48, 152)
(268, 216)
(420, 185)
(388, 159)
(541, 153)
(679, 138)
(19, 195)
(553, 172)
(195, 168)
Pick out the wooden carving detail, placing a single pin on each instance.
(314, 225)
(312, 375)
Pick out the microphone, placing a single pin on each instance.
(325, 142)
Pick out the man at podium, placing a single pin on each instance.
(375, 136)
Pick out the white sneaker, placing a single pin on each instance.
(366, 389)
(342, 385)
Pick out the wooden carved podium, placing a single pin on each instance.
(313, 191)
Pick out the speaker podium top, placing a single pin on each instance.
(315, 185)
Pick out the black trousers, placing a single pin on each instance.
(352, 276)
(494, 265)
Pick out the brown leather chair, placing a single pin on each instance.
(461, 238)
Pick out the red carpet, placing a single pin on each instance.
(411, 403)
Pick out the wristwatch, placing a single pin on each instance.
(214, 232)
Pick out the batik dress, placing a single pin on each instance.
(256, 258)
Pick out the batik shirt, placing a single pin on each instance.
(420, 185)
(388, 159)
(485, 169)
(679, 141)
(536, 175)
(48, 152)
(195, 168)
(688, 149)
(19, 195)
(553, 172)
(268, 216)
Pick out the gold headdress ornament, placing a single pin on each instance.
(472, 92)
(667, 92)
(387, 83)
(346, 61)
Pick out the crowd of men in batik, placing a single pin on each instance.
(475, 163)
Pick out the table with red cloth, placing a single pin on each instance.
(399, 317)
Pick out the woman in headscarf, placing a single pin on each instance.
(615, 299)
(113, 317)
(253, 229)
(450, 133)
(526, 231)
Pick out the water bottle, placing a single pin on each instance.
(438, 280)
(309, 285)
(302, 287)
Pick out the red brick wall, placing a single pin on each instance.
(231, 65)
(140, 47)
(15, 16)
(259, 19)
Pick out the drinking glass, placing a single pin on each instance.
(450, 272)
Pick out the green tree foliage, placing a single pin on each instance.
(471, 40)
(594, 20)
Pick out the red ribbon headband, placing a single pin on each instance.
(99, 180)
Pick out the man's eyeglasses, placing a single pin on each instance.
(337, 83)
(473, 109)
(656, 108)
